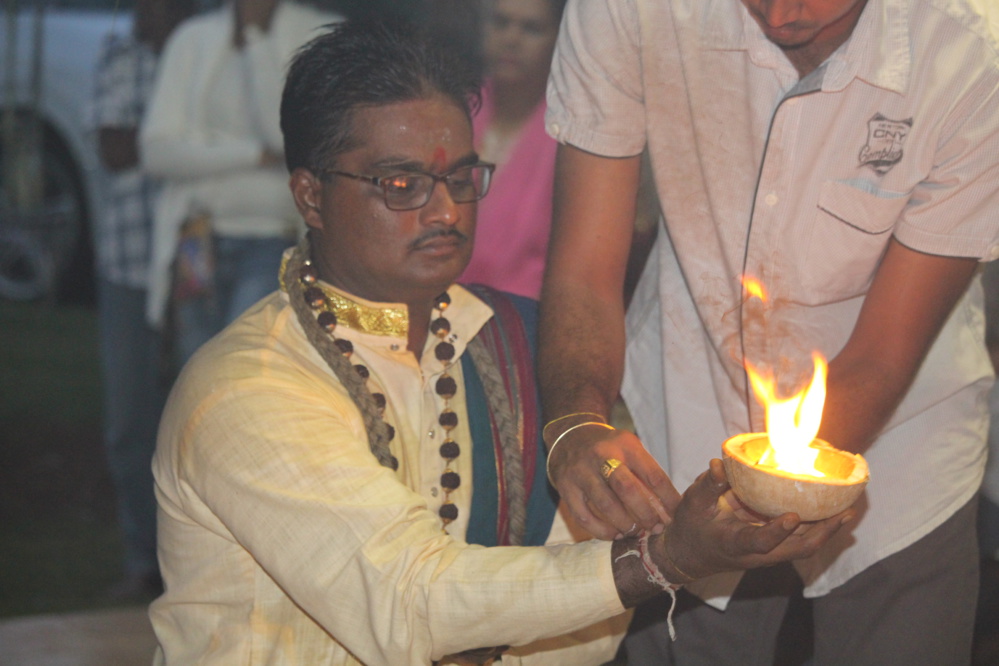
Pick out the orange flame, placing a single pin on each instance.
(792, 423)
(754, 288)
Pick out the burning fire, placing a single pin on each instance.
(792, 423)
(779, 471)
(754, 289)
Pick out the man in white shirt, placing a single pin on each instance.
(211, 134)
(843, 152)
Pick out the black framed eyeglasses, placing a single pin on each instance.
(412, 189)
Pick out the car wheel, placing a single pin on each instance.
(26, 269)
(52, 231)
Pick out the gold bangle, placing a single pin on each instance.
(544, 431)
(677, 569)
(548, 469)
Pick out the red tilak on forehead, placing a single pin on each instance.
(440, 157)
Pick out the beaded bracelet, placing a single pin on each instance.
(551, 449)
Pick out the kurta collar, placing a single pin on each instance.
(391, 319)
(467, 312)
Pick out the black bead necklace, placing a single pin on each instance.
(445, 387)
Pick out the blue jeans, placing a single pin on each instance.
(246, 270)
(134, 394)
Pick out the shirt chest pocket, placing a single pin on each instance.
(847, 239)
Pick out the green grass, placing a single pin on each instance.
(48, 363)
(59, 543)
(56, 565)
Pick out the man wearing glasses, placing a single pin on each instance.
(317, 460)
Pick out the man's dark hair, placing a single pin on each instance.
(362, 64)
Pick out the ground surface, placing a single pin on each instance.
(59, 547)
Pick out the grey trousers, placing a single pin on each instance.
(916, 607)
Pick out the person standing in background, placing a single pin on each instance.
(212, 133)
(129, 348)
(518, 40)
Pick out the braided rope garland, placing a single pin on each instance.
(379, 432)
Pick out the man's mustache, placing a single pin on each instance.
(438, 233)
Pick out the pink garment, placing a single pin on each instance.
(511, 238)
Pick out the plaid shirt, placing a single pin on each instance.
(125, 76)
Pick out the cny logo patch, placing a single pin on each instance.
(885, 139)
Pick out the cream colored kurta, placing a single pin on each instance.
(282, 541)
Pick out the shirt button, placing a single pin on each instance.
(554, 129)
(394, 347)
(433, 491)
(431, 433)
(771, 199)
(994, 252)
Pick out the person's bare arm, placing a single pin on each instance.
(581, 354)
(582, 313)
(910, 299)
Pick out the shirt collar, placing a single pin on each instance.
(364, 316)
(466, 313)
(878, 52)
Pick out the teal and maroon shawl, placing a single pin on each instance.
(512, 503)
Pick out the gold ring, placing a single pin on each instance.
(608, 467)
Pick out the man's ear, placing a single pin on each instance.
(306, 189)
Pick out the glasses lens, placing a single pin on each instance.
(407, 191)
(469, 183)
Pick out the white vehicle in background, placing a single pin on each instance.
(50, 177)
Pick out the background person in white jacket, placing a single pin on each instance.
(212, 133)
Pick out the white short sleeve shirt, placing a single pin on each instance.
(800, 184)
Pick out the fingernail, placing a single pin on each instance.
(845, 520)
(788, 524)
